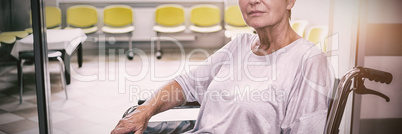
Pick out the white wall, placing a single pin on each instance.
(231, 2)
(315, 11)
(52, 3)
(343, 47)
(345, 26)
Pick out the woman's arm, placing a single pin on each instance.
(173, 94)
(169, 96)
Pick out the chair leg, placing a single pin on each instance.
(79, 55)
(130, 53)
(158, 53)
(20, 63)
(63, 80)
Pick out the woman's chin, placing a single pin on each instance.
(257, 25)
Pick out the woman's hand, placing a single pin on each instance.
(137, 121)
(134, 122)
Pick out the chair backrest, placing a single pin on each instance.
(316, 34)
(53, 16)
(205, 15)
(7, 39)
(18, 34)
(169, 15)
(82, 16)
(118, 15)
(233, 16)
(299, 26)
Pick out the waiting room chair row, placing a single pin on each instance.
(204, 18)
(169, 18)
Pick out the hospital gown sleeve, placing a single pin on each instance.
(308, 100)
(196, 80)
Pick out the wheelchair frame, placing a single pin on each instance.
(358, 74)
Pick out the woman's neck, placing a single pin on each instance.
(274, 38)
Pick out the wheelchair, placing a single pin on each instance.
(341, 93)
(335, 112)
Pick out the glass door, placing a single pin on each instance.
(24, 79)
(41, 64)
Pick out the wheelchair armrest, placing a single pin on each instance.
(187, 105)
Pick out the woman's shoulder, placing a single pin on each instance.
(304, 50)
(311, 51)
(303, 45)
(302, 42)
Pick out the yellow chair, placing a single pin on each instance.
(205, 19)
(84, 17)
(6, 45)
(317, 35)
(168, 19)
(18, 34)
(7, 39)
(118, 19)
(234, 23)
(53, 18)
(299, 26)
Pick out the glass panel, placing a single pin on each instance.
(16, 116)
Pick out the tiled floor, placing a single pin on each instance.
(98, 94)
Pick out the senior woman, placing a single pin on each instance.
(270, 82)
